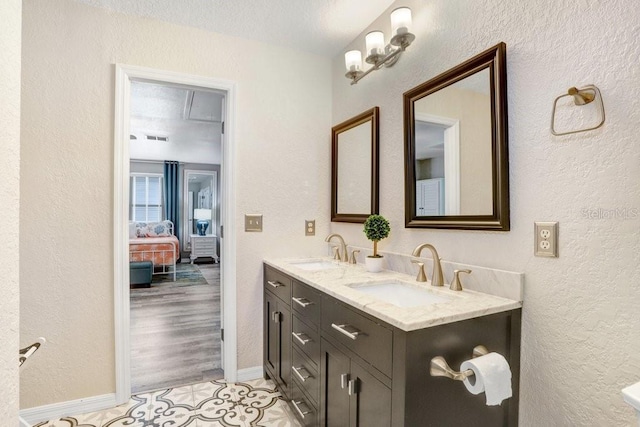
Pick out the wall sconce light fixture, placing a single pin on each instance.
(379, 54)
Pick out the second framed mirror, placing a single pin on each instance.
(456, 158)
(354, 168)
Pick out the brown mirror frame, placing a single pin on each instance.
(493, 59)
(357, 217)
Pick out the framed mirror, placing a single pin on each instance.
(354, 168)
(200, 207)
(456, 147)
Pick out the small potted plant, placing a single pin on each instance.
(376, 228)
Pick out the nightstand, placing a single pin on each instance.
(203, 246)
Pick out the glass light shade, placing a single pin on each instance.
(353, 60)
(375, 43)
(400, 21)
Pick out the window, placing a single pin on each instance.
(146, 198)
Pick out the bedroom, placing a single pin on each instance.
(174, 207)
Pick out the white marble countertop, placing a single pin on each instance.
(462, 305)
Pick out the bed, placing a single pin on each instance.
(155, 242)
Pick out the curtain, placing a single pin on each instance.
(171, 192)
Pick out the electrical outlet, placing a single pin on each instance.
(546, 239)
(309, 227)
(253, 222)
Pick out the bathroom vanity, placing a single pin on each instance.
(342, 357)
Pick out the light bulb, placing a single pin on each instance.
(400, 21)
(353, 60)
(375, 43)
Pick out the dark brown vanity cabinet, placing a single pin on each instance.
(344, 367)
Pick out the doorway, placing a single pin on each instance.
(127, 77)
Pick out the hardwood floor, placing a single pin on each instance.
(175, 330)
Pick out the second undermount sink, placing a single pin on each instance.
(401, 294)
(314, 265)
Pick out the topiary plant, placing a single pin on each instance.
(376, 228)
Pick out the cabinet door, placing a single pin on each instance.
(285, 347)
(334, 382)
(277, 342)
(271, 333)
(370, 400)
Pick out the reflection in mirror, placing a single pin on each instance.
(453, 149)
(456, 164)
(200, 205)
(354, 189)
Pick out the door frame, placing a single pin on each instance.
(124, 74)
(451, 160)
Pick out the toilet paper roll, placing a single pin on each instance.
(491, 375)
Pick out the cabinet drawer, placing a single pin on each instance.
(306, 339)
(304, 409)
(204, 245)
(306, 302)
(369, 340)
(305, 373)
(278, 284)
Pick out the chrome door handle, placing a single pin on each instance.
(302, 301)
(300, 411)
(298, 335)
(274, 284)
(303, 377)
(341, 328)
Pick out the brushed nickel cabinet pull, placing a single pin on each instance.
(302, 301)
(352, 387)
(341, 328)
(276, 316)
(299, 335)
(300, 411)
(274, 284)
(344, 379)
(304, 375)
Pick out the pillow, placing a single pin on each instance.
(154, 229)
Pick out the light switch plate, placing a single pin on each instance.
(309, 227)
(253, 222)
(546, 239)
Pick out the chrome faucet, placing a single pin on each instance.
(436, 278)
(341, 254)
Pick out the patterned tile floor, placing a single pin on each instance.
(210, 404)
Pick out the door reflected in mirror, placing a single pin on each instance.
(456, 162)
(453, 149)
(354, 169)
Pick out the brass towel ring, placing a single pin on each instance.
(582, 96)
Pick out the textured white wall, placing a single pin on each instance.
(283, 123)
(10, 35)
(580, 341)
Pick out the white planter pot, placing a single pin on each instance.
(374, 265)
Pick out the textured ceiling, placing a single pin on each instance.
(319, 26)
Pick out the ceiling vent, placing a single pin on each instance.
(157, 138)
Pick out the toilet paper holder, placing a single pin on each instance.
(440, 368)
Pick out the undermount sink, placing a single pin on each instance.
(314, 265)
(400, 294)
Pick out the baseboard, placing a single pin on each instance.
(249, 374)
(63, 409)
